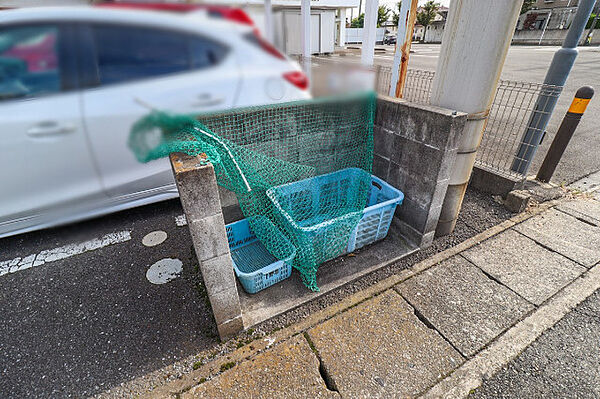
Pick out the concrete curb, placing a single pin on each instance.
(212, 369)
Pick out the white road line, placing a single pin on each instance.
(180, 221)
(66, 251)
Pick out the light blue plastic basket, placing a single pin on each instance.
(377, 216)
(373, 225)
(254, 266)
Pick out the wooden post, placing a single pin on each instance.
(406, 26)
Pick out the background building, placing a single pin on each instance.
(328, 22)
(548, 14)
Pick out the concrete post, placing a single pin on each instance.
(557, 75)
(305, 36)
(268, 21)
(369, 32)
(199, 197)
(343, 14)
(406, 26)
(475, 43)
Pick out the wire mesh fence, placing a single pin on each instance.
(513, 108)
(513, 112)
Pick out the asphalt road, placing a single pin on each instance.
(529, 64)
(79, 325)
(563, 363)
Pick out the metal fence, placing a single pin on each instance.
(512, 109)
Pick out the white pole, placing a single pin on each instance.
(268, 21)
(476, 39)
(343, 14)
(369, 32)
(305, 35)
(406, 25)
(545, 27)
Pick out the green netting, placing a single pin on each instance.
(279, 160)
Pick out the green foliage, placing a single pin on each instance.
(591, 21)
(383, 14)
(358, 22)
(428, 13)
(227, 366)
(196, 365)
(527, 5)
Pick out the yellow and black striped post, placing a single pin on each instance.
(565, 132)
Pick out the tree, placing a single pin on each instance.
(527, 5)
(427, 14)
(358, 22)
(383, 13)
(396, 16)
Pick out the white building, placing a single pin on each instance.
(327, 22)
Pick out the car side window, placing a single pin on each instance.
(29, 61)
(127, 53)
(206, 53)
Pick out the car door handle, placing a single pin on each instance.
(207, 100)
(48, 129)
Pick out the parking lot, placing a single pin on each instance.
(80, 313)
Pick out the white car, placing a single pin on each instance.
(74, 80)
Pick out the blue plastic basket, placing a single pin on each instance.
(377, 216)
(254, 266)
(340, 186)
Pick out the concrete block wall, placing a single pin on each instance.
(415, 148)
(199, 197)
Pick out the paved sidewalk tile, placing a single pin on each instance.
(563, 363)
(565, 234)
(290, 370)
(380, 349)
(524, 266)
(588, 210)
(590, 184)
(461, 302)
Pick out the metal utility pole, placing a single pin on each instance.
(269, 21)
(305, 35)
(588, 37)
(475, 43)
(406, 26)
(556, 78)
(369, 32)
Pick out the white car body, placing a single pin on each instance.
(64, 155)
